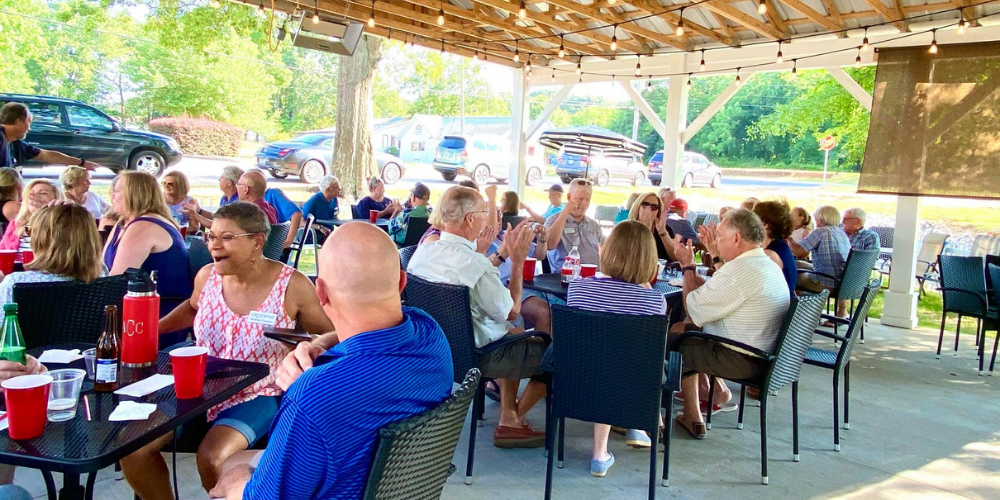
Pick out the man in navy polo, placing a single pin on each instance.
(286, 210)
(15, 123)
(390, 363)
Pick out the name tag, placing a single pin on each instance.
(569, 230)
(263, 318)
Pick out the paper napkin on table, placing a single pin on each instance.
(130, 410)
(60, 356)
(146, 386)
(678, 282)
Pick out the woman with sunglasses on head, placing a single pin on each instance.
(649, 211)
(235, 299)
(147, 237)
(375, 201)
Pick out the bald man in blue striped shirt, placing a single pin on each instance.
(391, 362)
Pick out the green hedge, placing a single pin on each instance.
(198, 136)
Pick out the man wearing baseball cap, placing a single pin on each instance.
(556, 203)
(677, 223)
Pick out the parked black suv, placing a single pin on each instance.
(76, 129)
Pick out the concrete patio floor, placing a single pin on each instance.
(920, 429)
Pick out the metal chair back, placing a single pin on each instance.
(274, 245)
(857, 273)
(606, 214)
(304, 235)
(354, 211)
(511, 220)
(415, 229)
(413, 456)
(198, 255)
(451, 308)
(885, 235)
(857, 322)
(801, 320)
(699, 220)
(932, 246)
(962, 273)
(66, 311)
(405, 254)
(608, 368)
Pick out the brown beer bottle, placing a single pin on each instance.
(107, 366)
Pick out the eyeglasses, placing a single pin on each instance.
(226, 238)
(647, 204)
(167, 184)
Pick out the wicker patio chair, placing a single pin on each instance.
(963, 292)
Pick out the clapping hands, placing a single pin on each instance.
(683, 251)
(708, 234)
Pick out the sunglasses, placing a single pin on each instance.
(653, 206)
(167, 184)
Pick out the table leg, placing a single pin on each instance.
(71, 490)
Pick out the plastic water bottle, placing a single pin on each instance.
(574, 254)
(571, 267)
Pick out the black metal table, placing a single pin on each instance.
(551, 284)
(382, 223)
(79, 446)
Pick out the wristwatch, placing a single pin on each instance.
(500, 257)
(689, 268)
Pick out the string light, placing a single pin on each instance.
(702, 60)
(864, 43)
(517, 55)
(562, 48)
(795, 64)
(779, 59)
(529, 65)
(761, 7)
(638, 68)
(934, 47)
(612, 2)
(216, 4)
(442, 46)
(614, 39)
(553, 75)
(440, 18)
(581, 76)
(371, 18)
(857, 60)
(315, 13)
(738, 82)
(522, 11)
(475, 55)
(579, 68)
(689, 80)
(680, 24)
(961, 23)
(260, 8)
(649, 82)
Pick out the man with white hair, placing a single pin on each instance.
(227, 184)
(462, 215)
(572, 228)
(854, 225)
(324, 205)
(829, 245)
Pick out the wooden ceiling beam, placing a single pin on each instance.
(432, 30)
(743, 19)
(453, 49)
(652, 7)
(775, 17)
(898, 6)
(887, 14)
(544, 19)
(823, 20)
(622, 22)
(833, 12)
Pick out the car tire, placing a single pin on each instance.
(533, 177)
(716, 181)
(687, 181)
(603, 177)
(149, 161)
(278, 175)
(639, 179)
(655, 183)
(391, 173)
(481, 174)
(449, 176)
(312, 172)
(565, 179)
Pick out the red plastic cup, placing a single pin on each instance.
(27, 256)
(588, 270)
(189, 371)
(529, 269)
(7, 258)
(372, 216)
(184, 231)
(27, 399)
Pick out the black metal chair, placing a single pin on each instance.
(198, 255)
(274, 245)
(963, 291)
(784, 365)
(994, 271)
(405, 254)
(354, 212)
(304, 236)
(840, 360)
(413, 456)
(848, 286)
(66, 311)
(415, 229)
(451, 307)
(512, 220)
(608, 370)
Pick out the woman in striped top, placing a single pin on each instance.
(628, 260)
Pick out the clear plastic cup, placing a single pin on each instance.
(64, 394)
(89, 357)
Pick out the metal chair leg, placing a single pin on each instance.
(978, 321)
(993, 360)
(471, 460)
(944, 316)
(89, 490)
(847, 396)
(562, 441)
(711, 397)
(50, 485)
(667, 428)
(550, 427)
(982, 347)
(795, 421)
(958, 331)
(654, 437)
(743, 396)
(836, 411)
(763, 437)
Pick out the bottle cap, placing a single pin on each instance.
(10, 308)
(139, 281)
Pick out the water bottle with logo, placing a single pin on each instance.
(140, 320)
(571, 266)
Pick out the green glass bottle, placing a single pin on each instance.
(11, 341)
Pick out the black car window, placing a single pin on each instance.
(86, 117)
(43, 112)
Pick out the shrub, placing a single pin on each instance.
(198, 136)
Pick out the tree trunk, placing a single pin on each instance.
(353, 154)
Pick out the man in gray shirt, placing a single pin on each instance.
(572, 227)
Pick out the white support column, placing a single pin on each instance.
(901, 300)
(518, 139)
(647, 111)
(675, 125)
(712, 109)
(551, 107)
(851, 86)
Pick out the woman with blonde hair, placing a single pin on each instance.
(147, 237)
(175, 191)
(802, 224)
(76, 182)
(628, 261)
(37, 194)
(66, 246)
(648, 210)
(11, 186)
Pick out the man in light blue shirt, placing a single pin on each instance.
(555, 201)
(287, 211)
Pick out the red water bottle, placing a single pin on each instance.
(140, 320)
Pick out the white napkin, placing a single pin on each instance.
(130, 410)
(60, 356)
(3, 422)
(146, 386)
(678, 282)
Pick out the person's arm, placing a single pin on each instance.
(554, 235)
(293, 229)
(806, 245)
(200, 217)
(491, 206)
(55, 157)
(387, 211)
(534, 216)
(183, 315)
(774, 258)
(11, 208)
(518, 243)
(302, 302)
(134, 248)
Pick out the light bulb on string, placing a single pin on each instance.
(761, 7)
(562, 48)
(680, 24)
(442, 46)
(961, 23)
(553, 75)
(638, 68)
(371, 18)
(779, 59)
(702, 66)
(612, 2)
(795, 68)
(857, 60)
(934, 47)
(738, 82)
(260, 8)
(475, 55)
(522, 10)
(864, 43)
(581, 78)
(579, 68)
(216, 4)
(517, 54)
(316, 17)
(689, 80)
(440, 19)
(614, 38)
(649, 82)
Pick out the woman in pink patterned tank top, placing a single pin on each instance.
(235, 299)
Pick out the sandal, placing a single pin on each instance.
(694, 429)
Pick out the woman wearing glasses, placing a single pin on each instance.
(649, 211)
(147, 237)
(235, 300)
